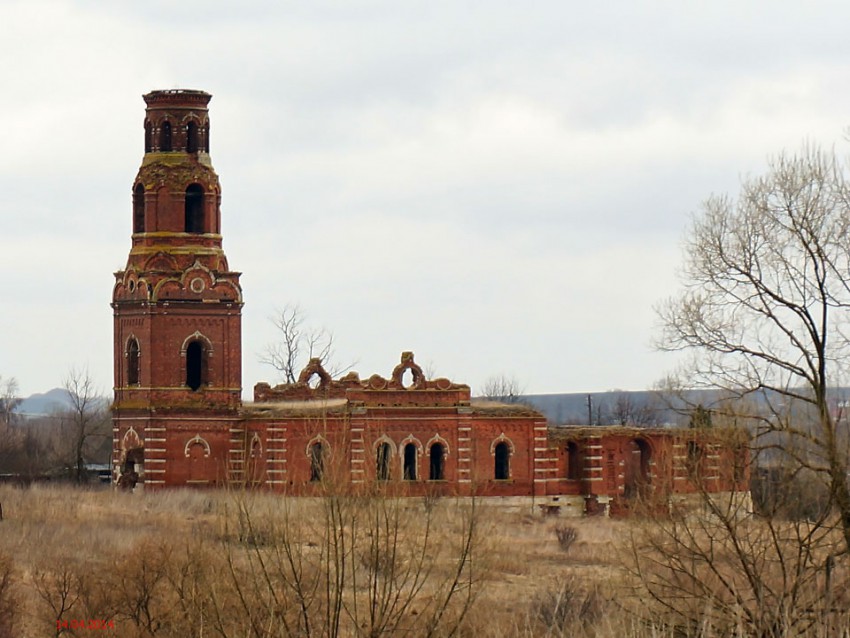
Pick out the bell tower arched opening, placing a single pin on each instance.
(133, 362)
(139, 209)
(165, 137)
(194, 209)
(196, 365)
(191, 137)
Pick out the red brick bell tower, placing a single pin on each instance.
(177, 309)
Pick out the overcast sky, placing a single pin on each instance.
(501, 187)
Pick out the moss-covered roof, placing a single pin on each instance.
(488, 407)
(294, 408)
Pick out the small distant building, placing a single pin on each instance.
(179, 419)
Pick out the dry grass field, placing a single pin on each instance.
(197, 564)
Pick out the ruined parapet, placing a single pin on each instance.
(306, 389)
(406, 385)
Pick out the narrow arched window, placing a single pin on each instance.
(139, 209)
(133, 362)
(194, 217)
(383, 461)
(256, 448)
(437, 469)
(317, 462)
(573, 469)
(192, 138)
(502, 469)
(207, 138)
(148, 137)
(695, 458)
(410, 462)
(645, 459)
(636, 470)
(165, 137)
(196, 365)
(740, 459)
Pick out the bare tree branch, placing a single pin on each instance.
(501, 387)
(9, 400)
(86, 420)
(766, 305)
(298, 343)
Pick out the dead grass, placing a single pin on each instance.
(49, 529)
(184, 563)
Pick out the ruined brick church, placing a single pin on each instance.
(179, 420)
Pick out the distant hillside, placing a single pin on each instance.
(639, 408)
(47, 403)
(605, 408)
(618, 407)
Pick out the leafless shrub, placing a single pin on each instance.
(140, 585)
(565, 607)
(67, 592)
(566, 536)
(783, 493)
(8, 598)
(715, 571)
(353, 564)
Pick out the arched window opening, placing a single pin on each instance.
(637, 468)
(740, 460)
(133, 469)
(573, 468)
(196, 365)
(133, 362)
(438, 463)
(410, 462)
(194, 218)
(207, 138)
(196, 451)
(256, 448)
(502, 470)
(192, 138)
(148, 137)
(645, 458)
(383, 462)
(165, 137)
(133, 461)
(317, 462)
(695, 456)
(139, 209)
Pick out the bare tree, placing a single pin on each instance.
(766, 307)
(629, 411)
(355, 565)
(716, 571)
(85, 421)
(9, 400)
(298, 343)
(11, 439)
(501, 387)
